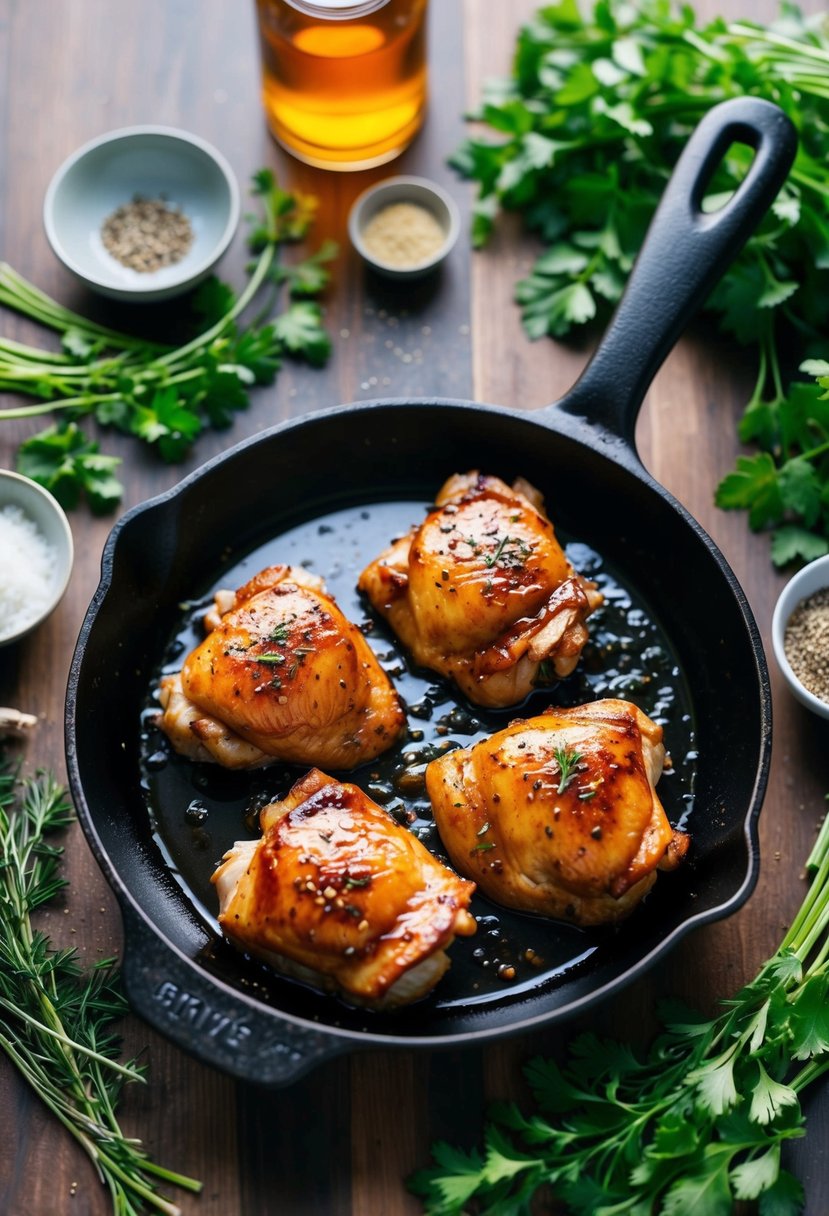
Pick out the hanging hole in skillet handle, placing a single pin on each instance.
(686, 250)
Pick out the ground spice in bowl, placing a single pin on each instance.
(146, 234)
(806, 643)
(403, 235)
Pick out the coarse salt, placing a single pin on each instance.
(28, 570)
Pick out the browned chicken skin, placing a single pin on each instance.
(482, 591)
(340, 895)
(558, 814)
(282, 675)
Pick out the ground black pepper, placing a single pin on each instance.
(806, 643)
(147, 234)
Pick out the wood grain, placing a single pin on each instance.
(341, 1140)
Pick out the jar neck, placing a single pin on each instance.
(336, 10)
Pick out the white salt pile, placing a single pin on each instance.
(28, 569)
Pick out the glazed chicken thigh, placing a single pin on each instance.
(482, 591)
(281, 675)
(338, 894)
(558, 814)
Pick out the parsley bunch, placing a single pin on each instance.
(692, 1126)
(590, 125)
(55, 1019)
(163, 396)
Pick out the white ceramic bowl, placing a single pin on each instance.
(811, 578)
(152, 162)
(415, 190)
(38, 506)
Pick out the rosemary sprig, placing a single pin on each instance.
(55, 1019)
(511, 551)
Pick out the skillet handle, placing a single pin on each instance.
(214, 1024)
(685, 252)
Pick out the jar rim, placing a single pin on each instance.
(337, 10)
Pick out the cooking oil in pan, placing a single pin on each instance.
(199, 810)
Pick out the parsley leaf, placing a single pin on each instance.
(62, 459)
(785, 486)
(301, 331)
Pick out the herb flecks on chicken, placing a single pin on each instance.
(337, 894)
(482, 591)
(567, 805)
(281, 675)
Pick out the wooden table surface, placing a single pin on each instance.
(342, 1139)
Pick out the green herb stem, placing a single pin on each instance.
(84, 404)
(799, 49)
(33, 354)
(53, 1019)
(259, 276)
(56, 1031)
(16, 292)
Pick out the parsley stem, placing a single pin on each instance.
(820, 849)
(818, 894)
(707, 49)
(813, 453)
(260, 274)
(33, 354)
(18, 293)
(810, 1072)
(800, 50)
(86, 402)
(797, 175)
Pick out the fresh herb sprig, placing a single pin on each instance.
(55, 1019)
(589, 125)
(510, 552)
(164, 396)
(694, 1125)
(785, 485)
(567, 760)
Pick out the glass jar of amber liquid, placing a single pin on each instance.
(343, 84)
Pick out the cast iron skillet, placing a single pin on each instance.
(375, 465)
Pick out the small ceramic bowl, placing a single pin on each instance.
(415, 190)
(811, 578)
(156, 163)
(22, 498)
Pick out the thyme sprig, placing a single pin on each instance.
(55, 1019)
(694, 1125)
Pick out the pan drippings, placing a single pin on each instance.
(198, 810)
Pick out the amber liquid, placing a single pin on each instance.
(344, 93)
